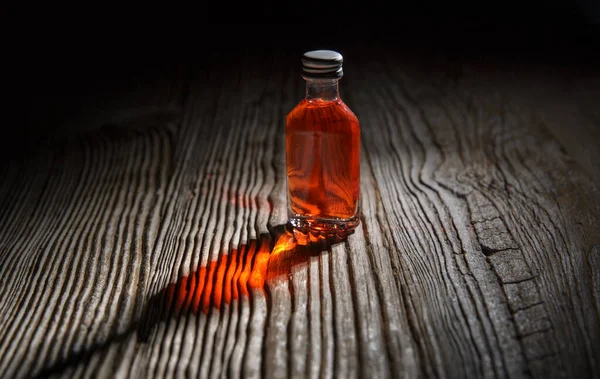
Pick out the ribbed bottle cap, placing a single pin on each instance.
(322, 64)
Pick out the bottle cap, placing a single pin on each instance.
(322, 64)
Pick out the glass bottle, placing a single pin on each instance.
(323, 152)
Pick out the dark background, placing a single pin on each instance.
(54, 57)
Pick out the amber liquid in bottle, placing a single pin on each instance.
(323, 161)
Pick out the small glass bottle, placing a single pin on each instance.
(323, 152)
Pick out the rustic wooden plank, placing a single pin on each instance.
(156, 247)
(480, 185)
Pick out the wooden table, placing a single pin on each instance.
(142, 238)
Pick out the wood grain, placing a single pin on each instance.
(148, 241)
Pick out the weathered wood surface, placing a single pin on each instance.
(141, 247)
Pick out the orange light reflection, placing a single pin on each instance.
(250, 267)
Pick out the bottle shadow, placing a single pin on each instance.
(251, 267)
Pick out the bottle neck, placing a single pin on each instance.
(322, 89)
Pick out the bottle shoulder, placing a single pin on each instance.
(349, 111)
(331, 111)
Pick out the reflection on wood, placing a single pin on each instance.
(230, 277)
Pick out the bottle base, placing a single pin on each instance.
(324, 227)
